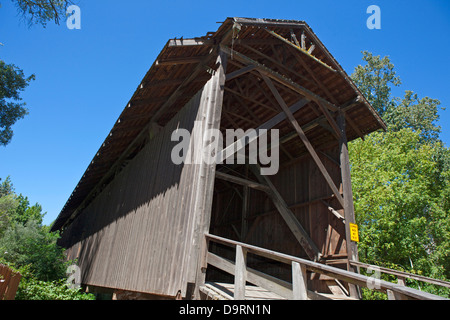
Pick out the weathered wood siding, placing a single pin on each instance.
(141, 232)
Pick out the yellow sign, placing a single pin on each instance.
(354, 232)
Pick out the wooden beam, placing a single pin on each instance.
(188, 42)
(279, 78)
(330, 119)
(402, 274)
(328, 94)
(175, 61)
(349, 210)
(294, 37)
(297, 229)
(171, 82)
(204, 181)
(249, 99)
(242, 181)
(333, 211)
(241, 143)
(299, 282)
(304, 139)
(240, 275)
(300, 49)
(245, 207)
(313, 75)
(278, 64)
(354, 127)
(239, 72)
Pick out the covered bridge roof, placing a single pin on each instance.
(288, 51)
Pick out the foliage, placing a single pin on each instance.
(375, 81)
(417, 114)
(31, 249)
(8, 204)
(33, 245)
(401, 202)
(24, 212)
(6, 187)
(401, 182)
(42, 11)
(12, 83)
(32, 289)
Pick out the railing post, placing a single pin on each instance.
(299, 285)
(392, 295)
(240, 275)
(401, 281)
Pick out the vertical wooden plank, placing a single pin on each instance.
(4, 285)
(245, 201)
(349, 210)
(240, 273)
(299, 282)
(392, 295)
(12, 286)
(206, 176)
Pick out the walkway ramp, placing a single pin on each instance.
(267, 287)
(225, 291)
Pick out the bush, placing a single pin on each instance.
(32, 245)
(32, 289)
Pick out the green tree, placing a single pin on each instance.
(375, 80)
(6, 187)
(42, 11)
(33, 245)
(418, 114)
(8, 204)
(24, 212)
(12, 83)
(401, 179)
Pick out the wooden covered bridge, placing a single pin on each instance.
(140, 224)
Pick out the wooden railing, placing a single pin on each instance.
(401, 276)
(9, 282)
(298, 289)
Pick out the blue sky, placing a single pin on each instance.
(84, 78)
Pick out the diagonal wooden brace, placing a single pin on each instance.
(297, 229)
(304, 139)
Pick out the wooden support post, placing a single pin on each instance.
(299, 282)
(349, 210)
(392, 295)
(240, 273)
(206, 177)
(297, 229)
(401, 280)
(304, 139)
(245, 201)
